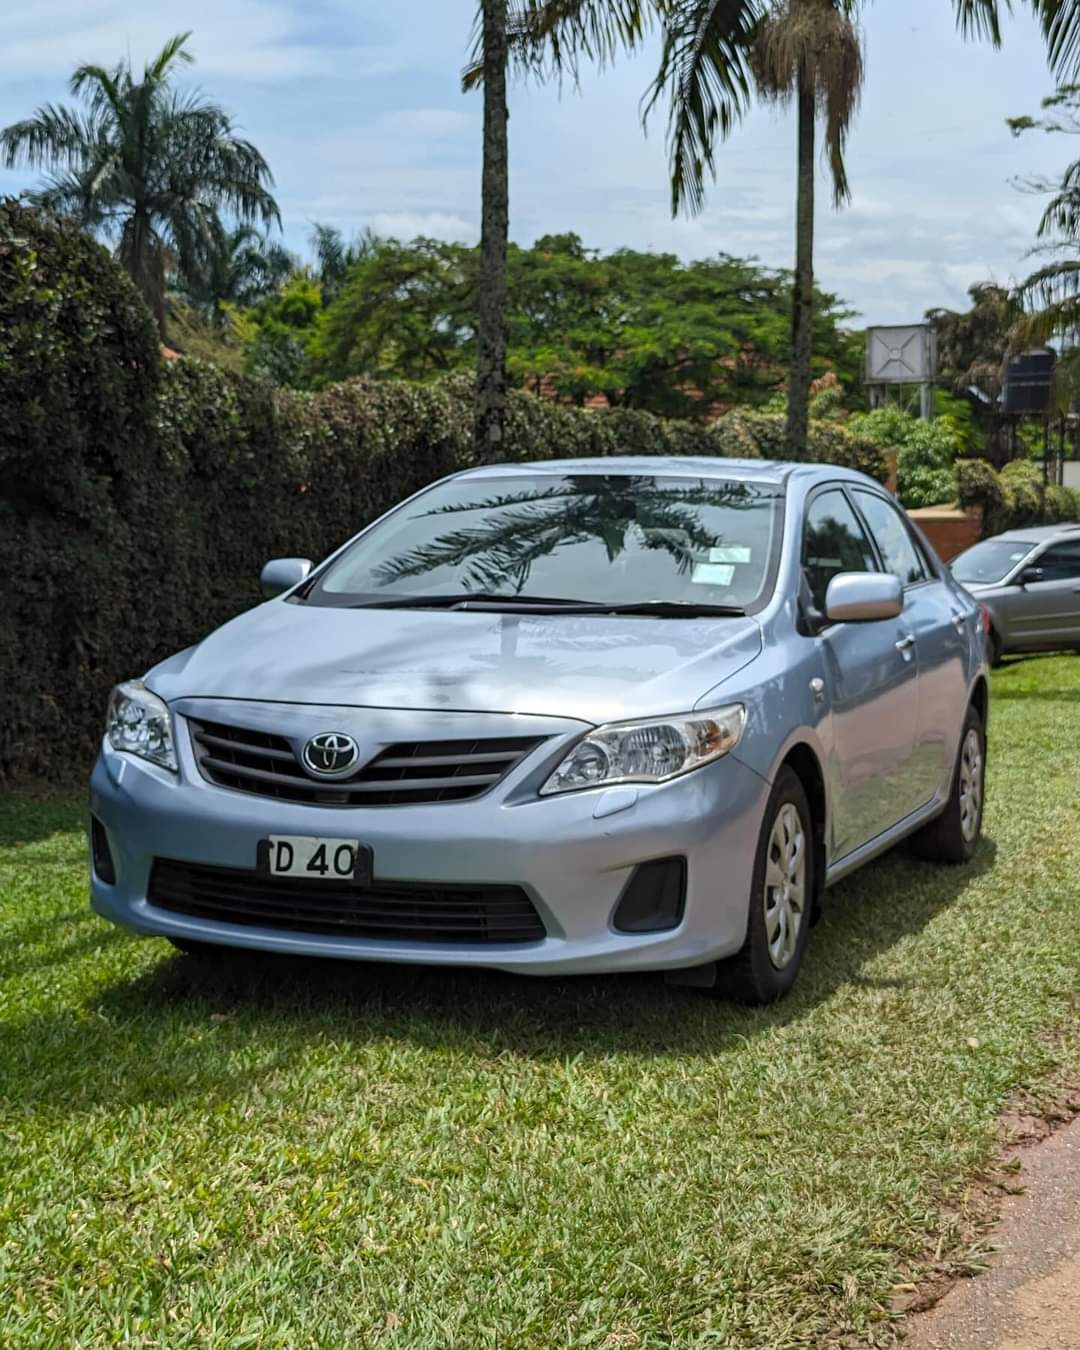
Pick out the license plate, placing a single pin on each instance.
(315, 859)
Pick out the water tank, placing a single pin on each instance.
(1028, 378)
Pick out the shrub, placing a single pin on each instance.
(139, 501)
(762, 435)
(1014, 497)
(925, 452)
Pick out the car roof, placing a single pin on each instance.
(775, 472)
(1038, 534)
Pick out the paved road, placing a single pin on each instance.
(1030, 1297)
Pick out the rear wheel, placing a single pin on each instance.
(993, 649)
(954, 835)
(781, 900)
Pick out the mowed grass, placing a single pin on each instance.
(280, 1153)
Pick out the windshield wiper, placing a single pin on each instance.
(466, 599)
(671, 609)
(518, 604)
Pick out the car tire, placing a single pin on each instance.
(768, 963)
(953, 836)
(993, 649)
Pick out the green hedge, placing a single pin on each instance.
(1014, 497)
(139, 502)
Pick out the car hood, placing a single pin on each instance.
(596, 668)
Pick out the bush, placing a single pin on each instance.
(1014, 497)
(925, 452)
(139, 501)
(761, 435)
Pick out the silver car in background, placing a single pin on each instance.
(1029, 582)
(567, 717)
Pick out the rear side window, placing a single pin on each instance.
(1060, 562)
(895, 544)
(834, 542)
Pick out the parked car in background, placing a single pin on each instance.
(595, 715)
(1029, 581)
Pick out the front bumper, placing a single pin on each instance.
(572, 855)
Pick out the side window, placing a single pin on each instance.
(897, 549)
(834, 542)
(1060, 562)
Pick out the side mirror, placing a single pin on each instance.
(1030, 575)
(863, 597)
(282, 574)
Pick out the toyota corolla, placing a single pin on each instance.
(579, 716)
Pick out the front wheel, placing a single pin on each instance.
(954, 835)
(781, 901)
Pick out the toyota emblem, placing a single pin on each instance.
(331, 754)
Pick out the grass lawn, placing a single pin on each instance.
(283, 1153)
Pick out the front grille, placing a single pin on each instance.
(411, 912)
(409, 772)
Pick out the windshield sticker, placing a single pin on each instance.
(713, 574)
(731, 554)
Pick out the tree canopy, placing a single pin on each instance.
(643, 330)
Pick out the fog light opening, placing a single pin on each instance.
(654, 898)
(104, 867)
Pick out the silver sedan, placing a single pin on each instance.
(577, 716)
(1029, 581)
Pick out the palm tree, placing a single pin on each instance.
(718, 53)
(539, 37)
(715, 54)
(240, 269)
(334, 258)
(144, 166)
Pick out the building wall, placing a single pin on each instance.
(949, 529)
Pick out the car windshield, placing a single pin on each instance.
(990, 561)
(619, 539)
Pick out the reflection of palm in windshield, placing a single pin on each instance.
(548, 532)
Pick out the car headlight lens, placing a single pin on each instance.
(139, 723)
(648, 752)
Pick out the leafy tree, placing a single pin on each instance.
(645, 330)
(280, 333)
(145, 166)
(972, 344)
(405, 310)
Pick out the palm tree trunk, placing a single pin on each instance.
(492, 330)
(798, 418)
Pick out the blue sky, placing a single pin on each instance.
(358, 109)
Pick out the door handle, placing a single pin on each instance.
(904, 647)
(959, 622)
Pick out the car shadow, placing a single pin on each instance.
(33, 814)
(190, 1027)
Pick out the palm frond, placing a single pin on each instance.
(981, 18)
(555, 36)
(172, 53)
(1060, 20)
(52, 136)
(705, 71)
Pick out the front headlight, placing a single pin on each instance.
(139, 723)
(648, 752)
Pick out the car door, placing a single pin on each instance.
(944, 629)
(1046, 613)
(870, 673)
